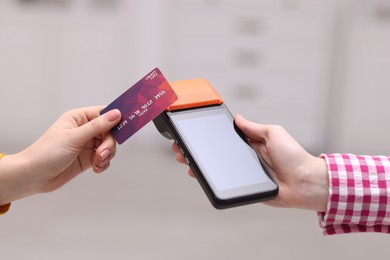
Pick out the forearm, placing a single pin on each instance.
(16, 180)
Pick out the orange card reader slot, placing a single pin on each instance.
(194, 93)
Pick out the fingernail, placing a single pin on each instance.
(98, 169)
(104, 154)
(113, 115)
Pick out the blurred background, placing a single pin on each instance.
(319, 68)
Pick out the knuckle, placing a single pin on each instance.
(95, 123)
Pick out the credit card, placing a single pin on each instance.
(141, 103)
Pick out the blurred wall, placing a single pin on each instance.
(357, 113)
(319, 68)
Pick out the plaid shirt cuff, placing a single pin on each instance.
(359, 194)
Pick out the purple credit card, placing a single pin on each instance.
(141, 103)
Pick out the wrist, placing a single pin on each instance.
(315, 185)
(15, 179)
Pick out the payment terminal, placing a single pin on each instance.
(227, 168)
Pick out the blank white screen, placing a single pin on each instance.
(222, 155)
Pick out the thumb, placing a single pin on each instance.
(99, 125)
(253, 131)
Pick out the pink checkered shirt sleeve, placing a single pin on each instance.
(359, 194)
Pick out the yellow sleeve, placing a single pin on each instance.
(4, 208)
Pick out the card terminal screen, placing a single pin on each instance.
(223, 157)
